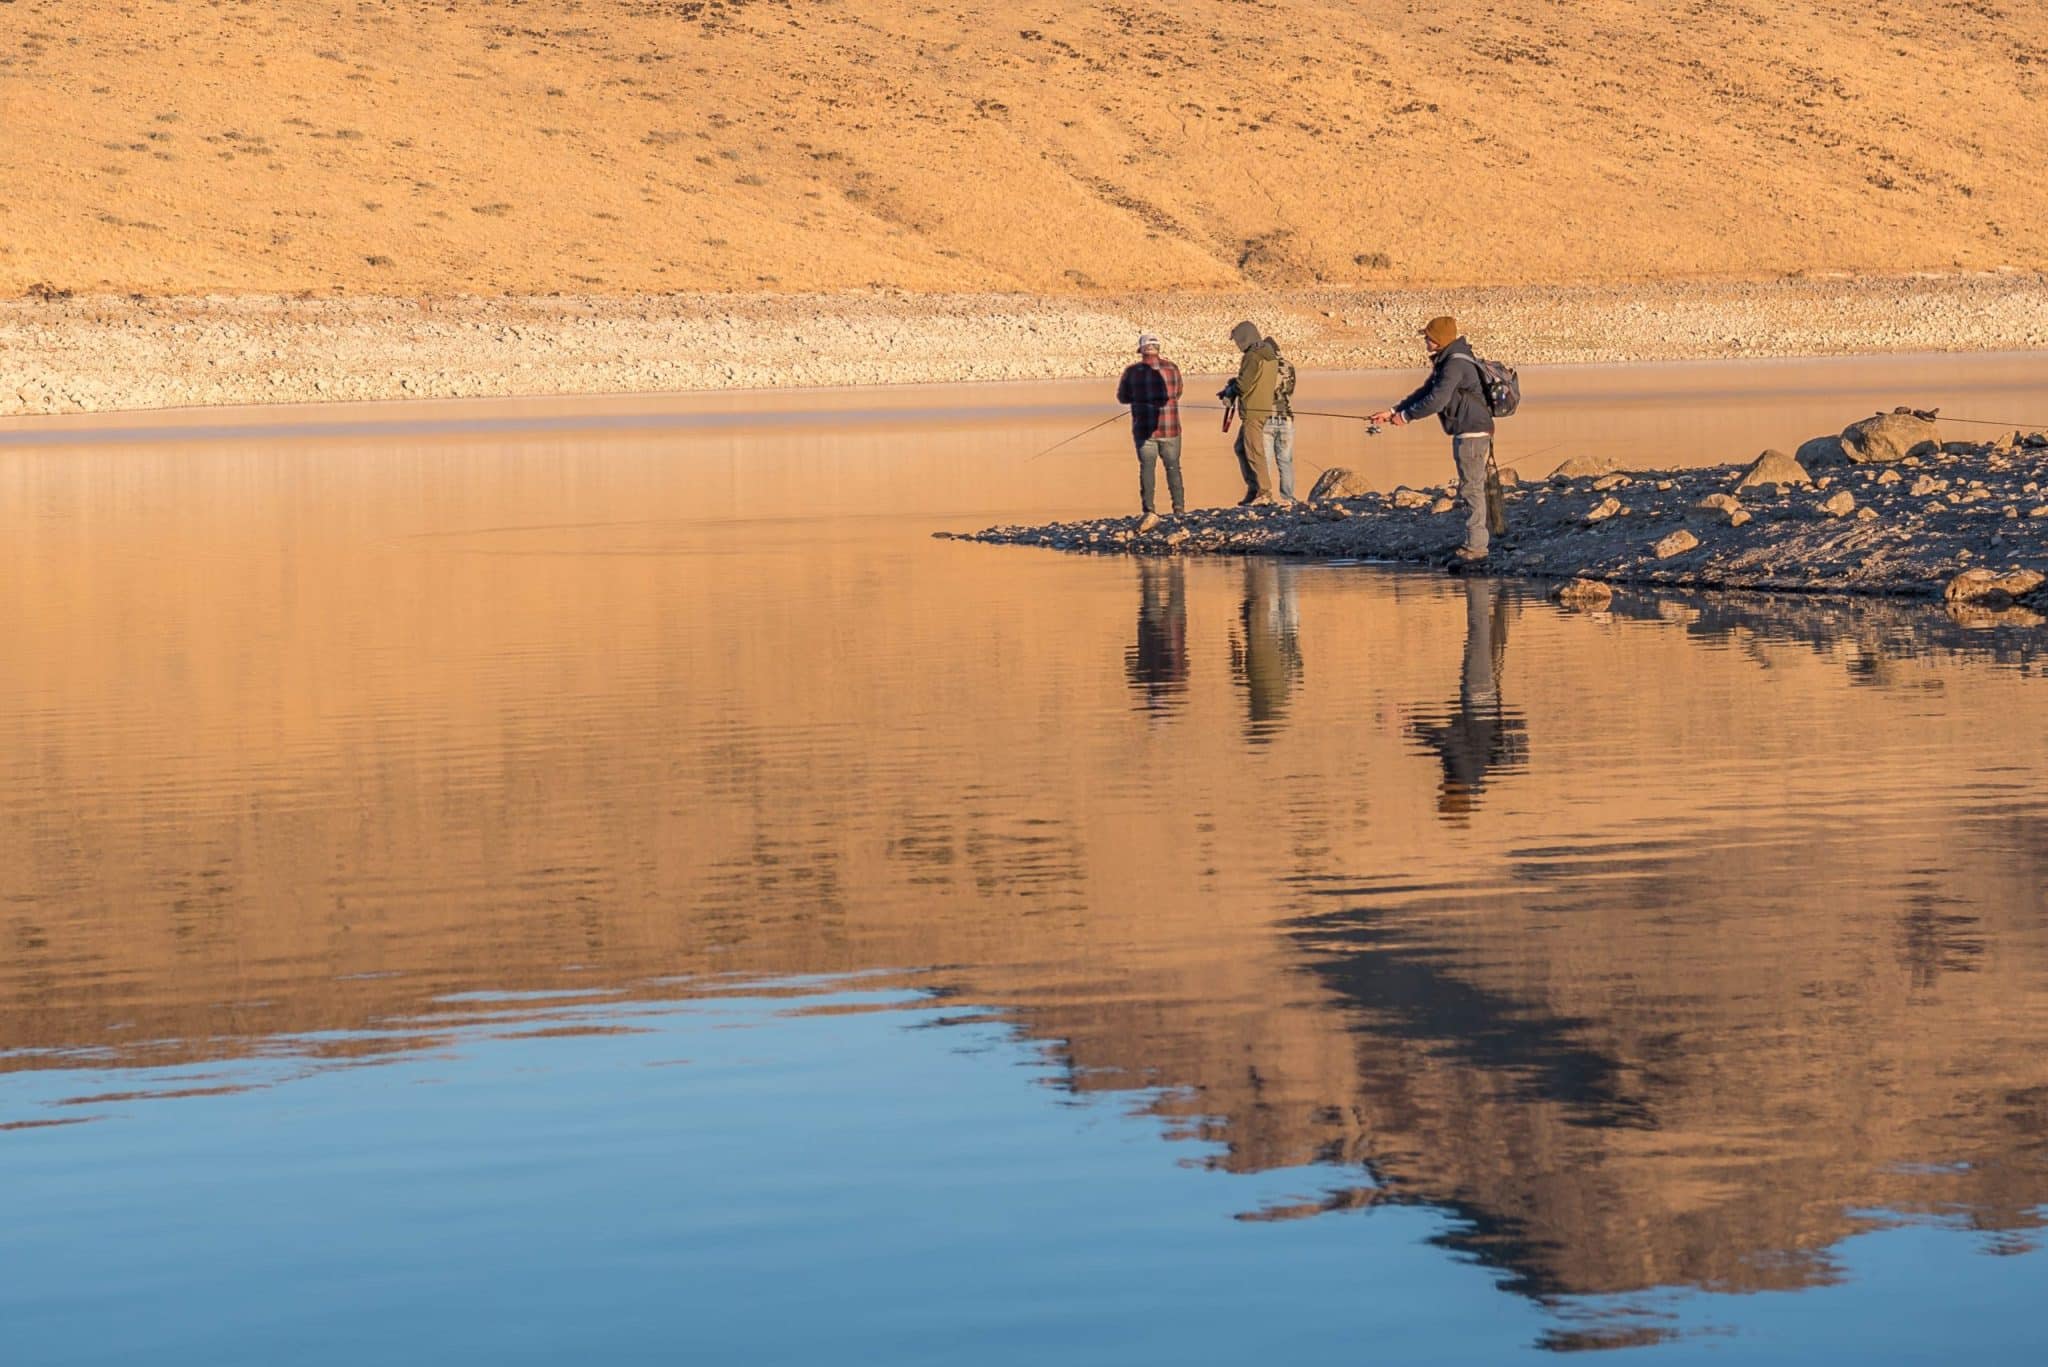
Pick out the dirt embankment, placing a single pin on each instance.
(1886, 508)
(87, 354)
(512, 147)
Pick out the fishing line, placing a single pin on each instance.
(1077, 436)
(1987, 422)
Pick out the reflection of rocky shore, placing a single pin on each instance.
(1874, 633)
(1650, 1013)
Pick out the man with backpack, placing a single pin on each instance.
(1280, 427)
(1456, 394)
(1253, 390)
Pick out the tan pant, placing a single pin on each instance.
(1255, 453)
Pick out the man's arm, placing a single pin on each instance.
(1433, 398)
(1248, 372)
(1172, 381)
(1123, 387)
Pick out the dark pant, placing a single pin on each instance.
(1151, 452)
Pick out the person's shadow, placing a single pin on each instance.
(1482, 736)
(1265, 647)
(1156, 663)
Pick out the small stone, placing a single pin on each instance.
(2012, 513)
(1614, 481)
(1442, 505)
(1738, 517)
(1606, 508)
(1890, 477)
(1174, 538)
(1509, 477)
(1927, 484)
(2041, 511)
(1582, 593)
(1719, 507)
(1866, 514)
(1404, 497)
(1839, 504)
(1773, 467)
(1677, 543)
(1989, 588)
(1663, 486)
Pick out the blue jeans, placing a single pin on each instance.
(1280, 441)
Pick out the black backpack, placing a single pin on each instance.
(1501, 386)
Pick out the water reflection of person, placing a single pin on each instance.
(1157, 662)
(1265, 649)
(1483, 734)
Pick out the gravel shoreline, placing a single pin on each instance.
(108, 354)
(1886, 509)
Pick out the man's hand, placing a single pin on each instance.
(1387, 417)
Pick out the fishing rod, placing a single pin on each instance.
(1097, 427)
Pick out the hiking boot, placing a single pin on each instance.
(1465, 560)
(1148, 522)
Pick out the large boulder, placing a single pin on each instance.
(1583, 594)
(1890, 436)
(1773, 467)
(1584, 467)
(1822, 452)
(1337, 483)
(1677, 543)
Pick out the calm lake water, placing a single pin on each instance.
(597, 882)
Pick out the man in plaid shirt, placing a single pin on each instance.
(1151, 387)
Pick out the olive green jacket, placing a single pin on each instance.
(1257, 379)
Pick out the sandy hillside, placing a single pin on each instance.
(601, 146)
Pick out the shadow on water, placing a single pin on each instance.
(1480, 734)
(1265, 647)
(1157, 661)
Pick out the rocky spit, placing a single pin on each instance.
(1888, 507)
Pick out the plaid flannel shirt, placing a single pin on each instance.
(1152, 389)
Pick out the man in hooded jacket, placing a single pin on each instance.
(1456, 396)
(1258, 378)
